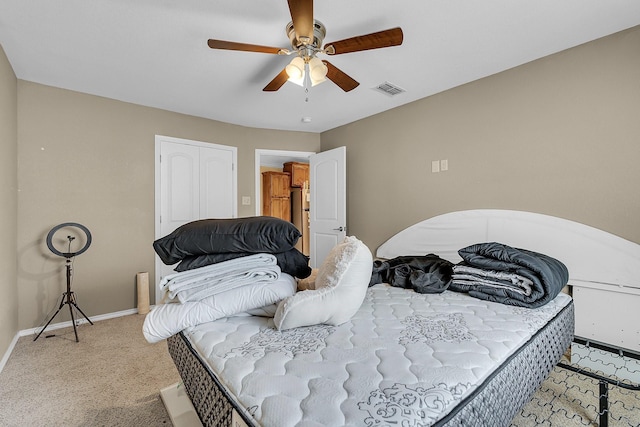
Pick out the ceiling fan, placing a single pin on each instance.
(306, 36)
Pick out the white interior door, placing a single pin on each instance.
(217, 183)
(328, 206)
(179, 185)
(194, 180)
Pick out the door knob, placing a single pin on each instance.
(340, 228)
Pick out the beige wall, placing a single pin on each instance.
(8, 202)
(90, 160)
(559, 136)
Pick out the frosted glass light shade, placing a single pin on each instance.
(295, 70)
(317, 71)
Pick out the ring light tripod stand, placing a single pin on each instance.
(68, 297)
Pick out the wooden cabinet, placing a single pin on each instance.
(279, 207)
(299, 173)
(276, 195)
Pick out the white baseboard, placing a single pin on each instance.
(79, 321)
(8, 352)
(53, 326)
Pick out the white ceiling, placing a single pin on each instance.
(155, 53)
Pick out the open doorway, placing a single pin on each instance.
(282, 189)
(327, 193)
(273, 159)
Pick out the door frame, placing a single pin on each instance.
(261, 156)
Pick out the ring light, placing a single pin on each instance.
(68, 297)
(53, 249)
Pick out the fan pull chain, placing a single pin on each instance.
(306, 82)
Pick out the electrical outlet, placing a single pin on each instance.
(246, 200)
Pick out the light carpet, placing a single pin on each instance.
(111, 377)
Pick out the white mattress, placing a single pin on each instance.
(404, 359)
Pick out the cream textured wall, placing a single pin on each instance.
(559, 136)
(90, 160)
(8, 202)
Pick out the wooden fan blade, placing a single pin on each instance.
(277, 82)
(302, 17)
(386, 38)
(340, 78)
(222, 44)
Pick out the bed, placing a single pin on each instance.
(432, 372)
(403, 357)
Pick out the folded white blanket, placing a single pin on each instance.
(199, 283)
(165, 320)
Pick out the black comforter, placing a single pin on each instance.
(497, 272)
(428, 274)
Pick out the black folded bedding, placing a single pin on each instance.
(508, 275)
(260, 234)
(292, 262)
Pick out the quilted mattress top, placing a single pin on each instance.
(404, 357)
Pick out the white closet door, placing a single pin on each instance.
(217, 183)
(194, 180)
(179, 184)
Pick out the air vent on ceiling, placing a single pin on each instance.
(389, 89)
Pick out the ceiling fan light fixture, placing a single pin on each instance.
(317, 81)
(306, 36)
(295, 70)
(317, 71)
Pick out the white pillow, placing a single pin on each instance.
(340, 287)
